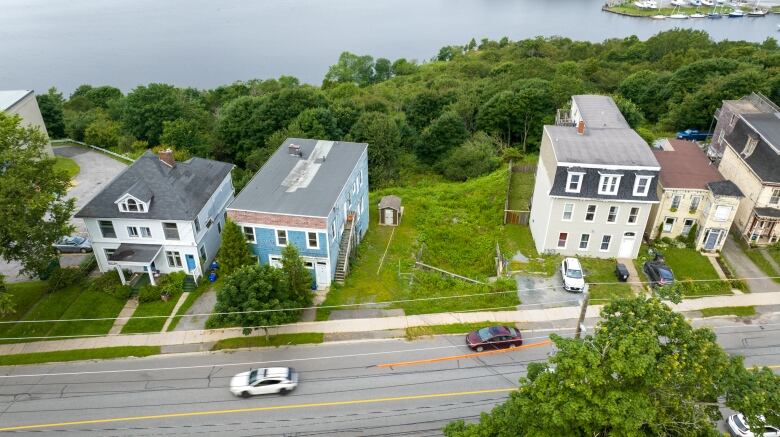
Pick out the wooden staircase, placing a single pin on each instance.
(189, 284)
(345, 249)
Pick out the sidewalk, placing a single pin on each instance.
(368, 324)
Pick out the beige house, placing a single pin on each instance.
(751, 159)
(693, 195)
(23, 103)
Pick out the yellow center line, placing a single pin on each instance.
(256, 409)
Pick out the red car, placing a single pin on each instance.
(494, 337)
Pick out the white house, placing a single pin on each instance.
(160, 216)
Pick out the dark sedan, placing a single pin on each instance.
(73, 244)
(659, 273)
(494, 337)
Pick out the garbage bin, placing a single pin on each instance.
(621, 271)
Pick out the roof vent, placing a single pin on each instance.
(581, 127)
(295, 150)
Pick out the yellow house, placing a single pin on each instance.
(693, 195)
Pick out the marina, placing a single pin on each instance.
(689, 9)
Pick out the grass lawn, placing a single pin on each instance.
(74, 302)
(726, 311)
(522, 190)
(79, 354)
(521, 240)
(67, 165)
(273, 340)
(459, 225)
(25, 295)
(156, 308)
(758, 258)
(204, 286)
(688, 264)
(455, 328)
(601, 272)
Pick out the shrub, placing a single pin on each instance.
(148, 293)
(64, 277)
(171, 285)
(109, 283)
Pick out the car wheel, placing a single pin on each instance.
(83, 250)
(479, 349)
(245, 394)
(283, 391)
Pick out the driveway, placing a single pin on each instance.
(96, 170)
(744, 268)
(537, 292)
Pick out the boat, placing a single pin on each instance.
(678, 2)
(707, 3)
(698, 15)
(695, 2)
(651, 4)
(715, 14)
(658, 17)
(757, 13)
(720, 2)
(736, 13)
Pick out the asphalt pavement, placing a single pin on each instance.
(343, 390)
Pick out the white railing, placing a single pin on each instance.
(100, 149)
(345, 268)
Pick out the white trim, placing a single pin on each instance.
(609, 179)
(608, 166)
(558, 240)
(609, 244)
(571, 213)
(275, 227)
(122, 201)
(272, 259)
(286, 238)
(628, 219)
(275, 213)
(599, 199)
(580, 175)
(587, 244)
(317, 238)
(617, 214)
(649, 180)
(254, 234)
(666, 222)
(595, 211)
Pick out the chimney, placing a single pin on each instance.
(295, 150)
(166, 156)
(581, 127)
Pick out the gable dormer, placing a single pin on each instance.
(137, 199)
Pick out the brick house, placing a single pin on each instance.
(310, 193)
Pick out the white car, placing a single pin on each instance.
(571, 272)
(738, 427)
(264, 381)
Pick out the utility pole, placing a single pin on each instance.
(583, 310)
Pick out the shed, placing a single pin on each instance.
(390, 211)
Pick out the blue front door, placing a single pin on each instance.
(190, 263)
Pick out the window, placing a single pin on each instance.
(573, 182)
(750, 146)
(568, 211)
(132, 232)
(612, 216)
(197, 225)
(562, 237)
(281, 237)
(308, 264)
(312, 240)
(722, 213)
(174, 258)
(687, 225)
(584, 240)
(632, 215)
(219, 227)
(131, 205)
(333, 229)
(775, 198)
(107, 229)
(209, 222)
(202, 252)
(733, 119)
(171, 231)
(721, 136)
(676, 202)
(146, 232)
(642, 185)
(695, 200)
(668, 224)
(590, 214)
(275, 261)
(605, 240)
(249, 234)
(109, 253)
(608, 185)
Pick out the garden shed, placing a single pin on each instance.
(390, 211)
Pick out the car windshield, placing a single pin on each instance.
(77, 240)
(573, 273)
(252, 377)
(484, 334)
(741, 425)
(513, 332)
(665, 274)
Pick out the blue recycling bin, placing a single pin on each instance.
(213, 277)
(214, 265)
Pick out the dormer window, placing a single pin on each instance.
(574, 182)
(609, 184)
(750, 146)
(642, 185)
(130, 204)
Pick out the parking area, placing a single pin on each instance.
(537, 293)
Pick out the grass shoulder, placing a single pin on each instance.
(79, 355)
(758, 258)
(455, 328)
(729, 311)
(273, 340)
(67, 165)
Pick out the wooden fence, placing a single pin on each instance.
(516, 217)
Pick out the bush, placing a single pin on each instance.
(64, 277)
(171, 285)
(149, 293)
(109, 283)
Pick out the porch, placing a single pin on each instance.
(763, 228)
(138, 258)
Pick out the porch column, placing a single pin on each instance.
(121, 275)
(151, 275)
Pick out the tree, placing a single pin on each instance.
(233, 252)
(35, 212)
(383, 136)
(103, 132)
(50, 105)
(315, 123)
(646, 372)
(299, 279)
(253, 296)
(423, 108)
(351, 68)
(147, 107)
(383, 70)
(630, 111)
(6, 300)
(186, 134)
(501, 115)
(476, 157)
(440, 137)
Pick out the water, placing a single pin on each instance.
(204, 43)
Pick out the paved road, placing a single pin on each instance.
(342, 392)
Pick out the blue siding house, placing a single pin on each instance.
(312, 194)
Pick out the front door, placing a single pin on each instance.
(711, 240)
(627, 245)
(190, 262)
(323, 274)
(389, 217)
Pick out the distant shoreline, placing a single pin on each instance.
(629, 10)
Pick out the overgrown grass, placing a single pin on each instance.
(156, 308)
(455, 328)
(67, 165)
(273, 340)
(726, 311)
(688, 266)
(522, 189)
(758, 258)
(457, 226)
(74, 302)
(204, 286)
(739, 284)
(520, 239)
(79, 354)
(600, 272)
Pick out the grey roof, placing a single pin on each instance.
(725, 188)
(600, 112)
(766, 125)
(177, 193)
(393, 202)
(135, 253)
(140, 191)
(308, 185)
(600, 146)
(768, 212)
(764, 161)
(10, 97)
(590, 185)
